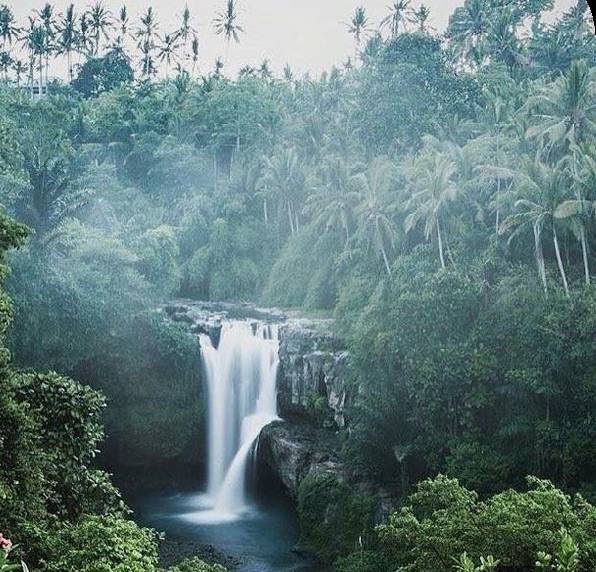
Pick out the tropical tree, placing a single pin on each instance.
(358, 26)
(542, 191)
(563, 114)
(332, 203)
(433, 190)
(146, 35)
(100, 22)
(6, 62)
(167, 51)
(420, 18)
(48, 19)
(67, 37)
(194, 51)
(85, 42)
(122, 23)
(468, 26)
(36, 43)
(399, 14)
(282, 177)
(375, 227)
(226, 23)
(9, 30)
(186, 33)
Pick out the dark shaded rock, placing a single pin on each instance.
(313, 368)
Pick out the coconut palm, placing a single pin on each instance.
(166, 51)
(194, 51)
(186, 33)
(100, 22)
(563, 114)
(146, 35)
(67, 36)
(20, 68)
(358, 26)
(376, 228)
(226, 23)
(468, 26)
(85, 42)
(9, 30)
(48, 19)
(283, 178)
(122, 24)
(331, 204)
(6, 62)
(420, 19)
(542, 191)
(433, 191)
(399, 13)
(36, 44)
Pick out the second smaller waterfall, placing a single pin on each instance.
(241, 380)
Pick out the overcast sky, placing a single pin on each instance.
(310, 35)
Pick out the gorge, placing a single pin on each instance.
(276, 390)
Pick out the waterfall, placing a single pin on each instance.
(241, 380)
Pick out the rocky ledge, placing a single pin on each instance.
(314, 373)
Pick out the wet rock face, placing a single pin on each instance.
(314, 372)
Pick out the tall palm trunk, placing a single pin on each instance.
(291, 218)
(383, 251)
(582, 237)
(40, 75)
(560, 261)
(540, 259)
(440, 241)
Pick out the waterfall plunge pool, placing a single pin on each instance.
(257, 530)
(260, 540)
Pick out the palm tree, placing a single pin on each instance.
(85, 43)
(146, 35)
(46, 15)
(194, 50)
(67, 36)
(283, 177)
(358, 26)
(420, 18)
(9, 30)
(331, 204)
(376, 228)
(433, 191)
(122, 23)
(36, 42)
(186, 33)
(468, 26)
(19, 69)
(167, 51)
(100, 22)
(397, 18)
(6, 62)
(226, 24)
(564, 116)
(542, 191)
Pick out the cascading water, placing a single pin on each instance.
(241, 379)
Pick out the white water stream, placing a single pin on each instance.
(241, 380)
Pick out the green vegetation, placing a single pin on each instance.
(444, 526)
(436, 194)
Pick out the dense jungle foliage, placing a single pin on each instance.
(437, 194)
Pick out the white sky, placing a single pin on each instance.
(310, 35)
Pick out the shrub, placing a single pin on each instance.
(104, 544)
(196, 565)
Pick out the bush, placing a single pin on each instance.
(104, 544)
(442, 520)
(332, 515)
